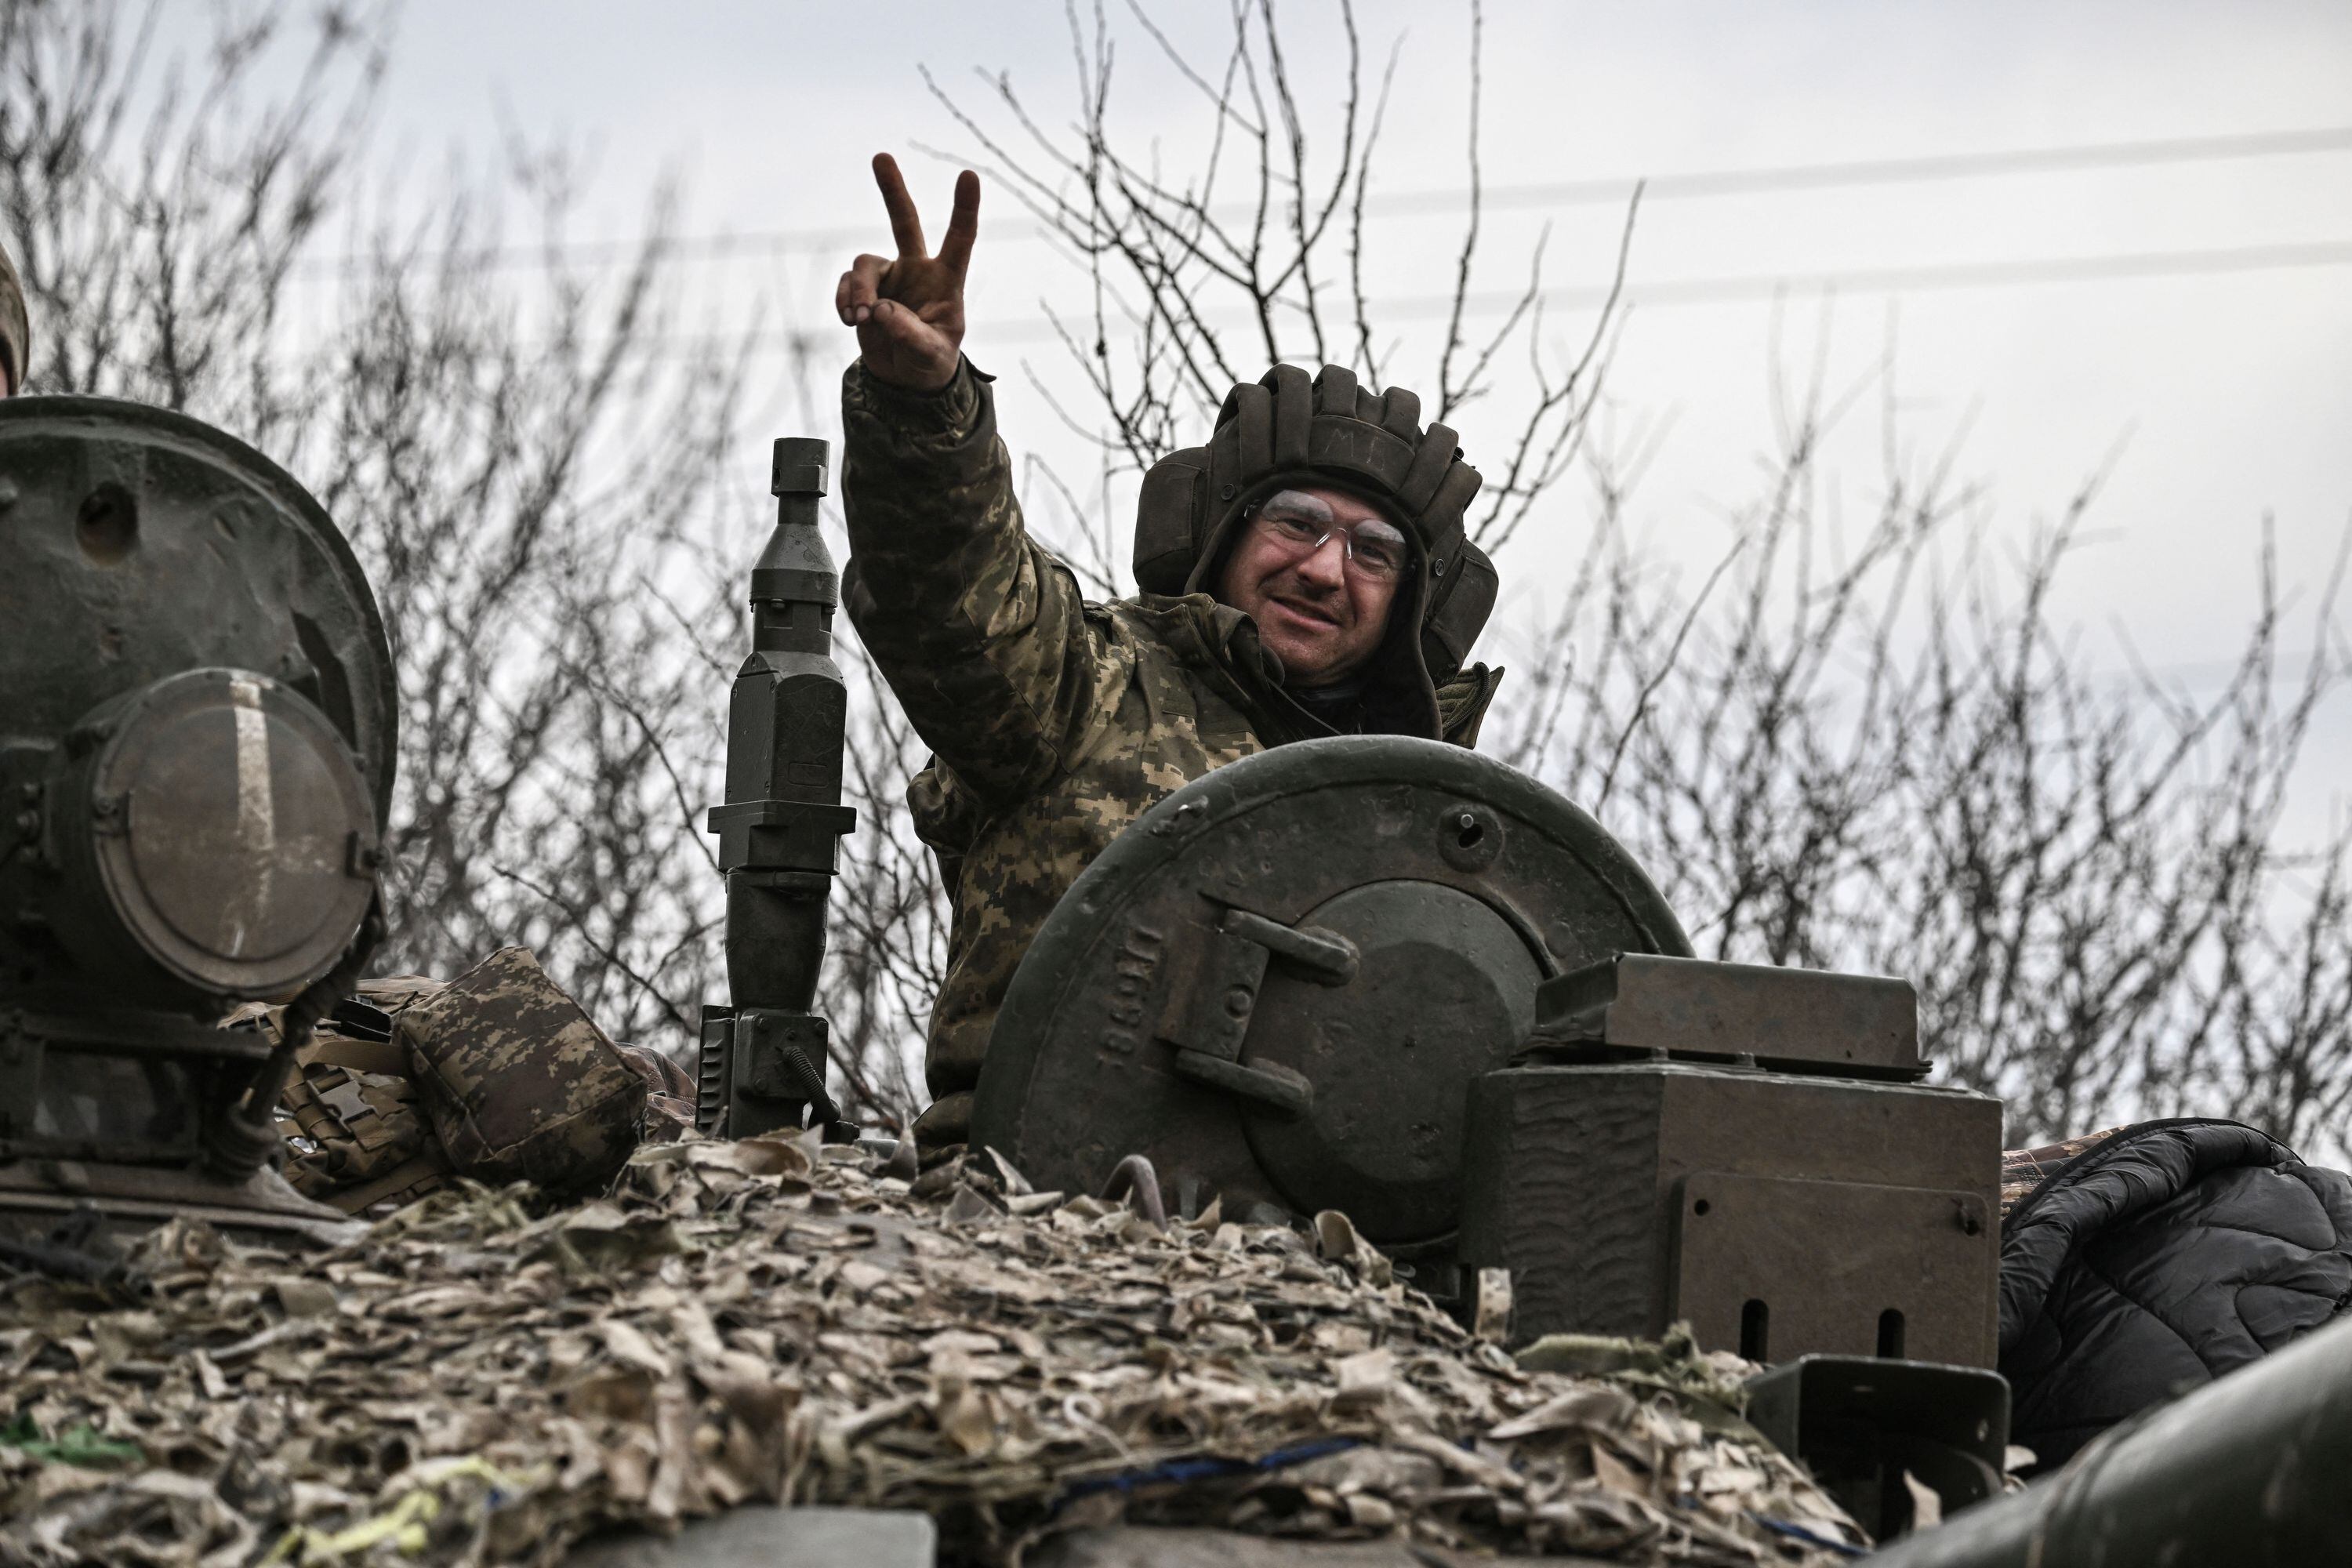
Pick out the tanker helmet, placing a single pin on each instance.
(15, 329)
(1285, 429)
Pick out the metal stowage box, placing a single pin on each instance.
(1644, 1168)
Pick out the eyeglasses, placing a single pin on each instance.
(1303, 523)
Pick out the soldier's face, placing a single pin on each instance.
(1320, 608)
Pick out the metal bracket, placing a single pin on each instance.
(1862, 1422)
(25, 805)
(1211, 998)
(759, 1071)
(1912, 1265)
(781, 835)
(1327, 957)
(1277, 1088)
(711, 1068)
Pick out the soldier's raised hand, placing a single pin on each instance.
(909, 311)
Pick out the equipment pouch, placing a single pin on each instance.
(364, 1124)
(520, 1084)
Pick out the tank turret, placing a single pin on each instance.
(196, 751)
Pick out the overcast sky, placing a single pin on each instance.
(2227, 385)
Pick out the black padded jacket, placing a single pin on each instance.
(2169, 1254)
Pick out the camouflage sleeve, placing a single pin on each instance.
(981, 631)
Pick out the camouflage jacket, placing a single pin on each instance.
(1053, 722)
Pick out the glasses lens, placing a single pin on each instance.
(1298, 530)
(1374, 548)
(1377, 549)
(1295, 506)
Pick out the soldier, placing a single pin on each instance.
(1305, 574)
(16, 330)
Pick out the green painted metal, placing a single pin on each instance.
(140, 542)
(1278, 982)
(762, 1063)
(2251, 1470)
(197, 748)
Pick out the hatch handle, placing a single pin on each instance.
(1328, 958)
(1279, 1089)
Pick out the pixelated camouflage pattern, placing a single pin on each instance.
(396, 993)
(519, 1083)
(357, 1135)
(2023, 1169)
(1053, 722)
(670, 1094)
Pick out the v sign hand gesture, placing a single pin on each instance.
(909, 312)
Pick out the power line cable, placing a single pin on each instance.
(1700, 184)
(1672, 291)
(1907, 171)
(1933, 276)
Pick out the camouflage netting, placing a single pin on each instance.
(469, 1384)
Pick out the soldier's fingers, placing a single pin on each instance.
(904, 331)
(963, 225)
(859, 288)
(899, 322)
(905, 227)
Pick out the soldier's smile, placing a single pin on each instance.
(1310, 615)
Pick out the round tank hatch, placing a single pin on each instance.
(1445, 990)
(136, 542)
(1277, 984)
(221, 830)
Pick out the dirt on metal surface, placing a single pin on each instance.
(478, 1382)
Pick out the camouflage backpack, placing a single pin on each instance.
(519, 1083)
(498, 1075)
